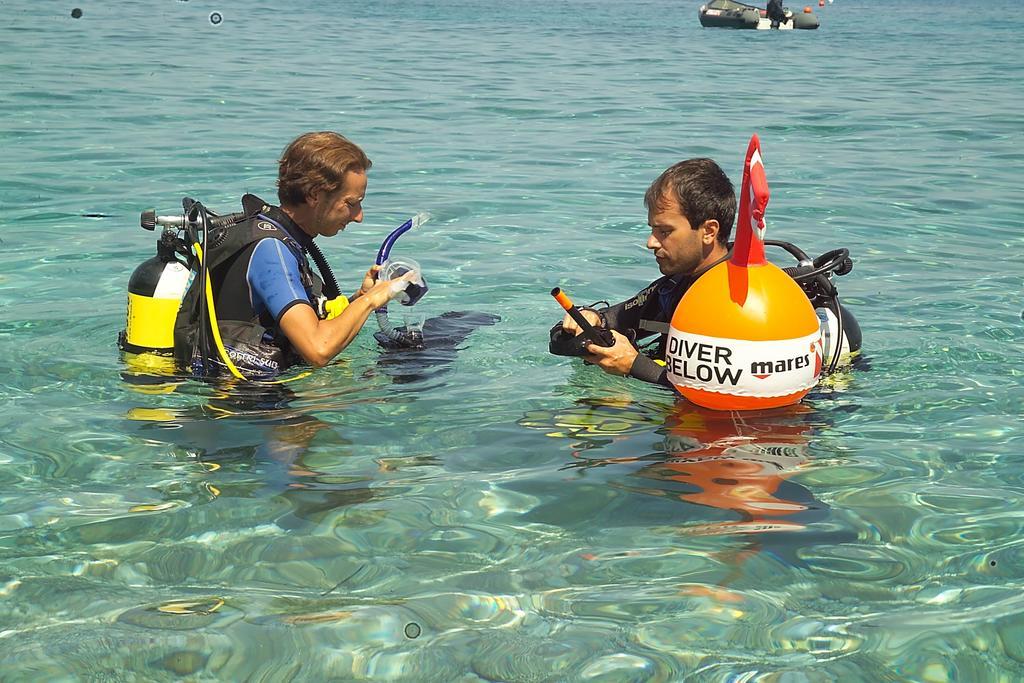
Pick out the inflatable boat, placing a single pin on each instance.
(732, 14)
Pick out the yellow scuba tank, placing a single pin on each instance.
(155, 291)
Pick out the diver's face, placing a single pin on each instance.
(677, 247)
(333, 211)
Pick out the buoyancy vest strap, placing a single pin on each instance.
(654, 326)
(219, 343)
(332, 291)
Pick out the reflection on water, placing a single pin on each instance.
(218, 539)
(252, 440)
(729, 461)
(253, 443)
(735, 463)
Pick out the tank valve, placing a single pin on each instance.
(148, 219)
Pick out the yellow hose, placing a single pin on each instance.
(215, 328)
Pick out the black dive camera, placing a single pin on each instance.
(562, 343)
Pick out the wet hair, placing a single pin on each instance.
(702, 191)
(317, 162)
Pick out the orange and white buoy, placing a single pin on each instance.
(745, 336)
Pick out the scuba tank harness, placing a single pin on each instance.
(840, 331)
(158, 286)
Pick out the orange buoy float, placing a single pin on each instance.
(745, 336)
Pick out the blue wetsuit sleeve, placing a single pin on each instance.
(274, 281)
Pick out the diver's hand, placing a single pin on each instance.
(570, 326)
(616, 359)
(384, 291)
(369, 280)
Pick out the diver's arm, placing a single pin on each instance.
(622, 317)
(624, 359)
(625, 316)
(318, 341)
(647, 370)
(618, 317)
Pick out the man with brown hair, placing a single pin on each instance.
(272, 308)
(690, 209)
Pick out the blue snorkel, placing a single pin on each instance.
(389, 241)
(390, 336)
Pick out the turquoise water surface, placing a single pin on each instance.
(501, 514)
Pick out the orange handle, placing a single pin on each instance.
(562, 299)
(600, 337)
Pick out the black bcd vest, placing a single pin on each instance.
(253, 342)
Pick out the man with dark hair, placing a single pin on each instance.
(272, 308)
(690, 209)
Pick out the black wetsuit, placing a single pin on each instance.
(253, 340)
(650, 312)
(230, 285)
(775, 12)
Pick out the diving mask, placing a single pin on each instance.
(414, 289)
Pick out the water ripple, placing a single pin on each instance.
(496, 512)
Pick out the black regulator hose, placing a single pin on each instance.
(227, 220)
(196, 220)
(795, 251)
(813, 275)
(331, 289)
(837, 261)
